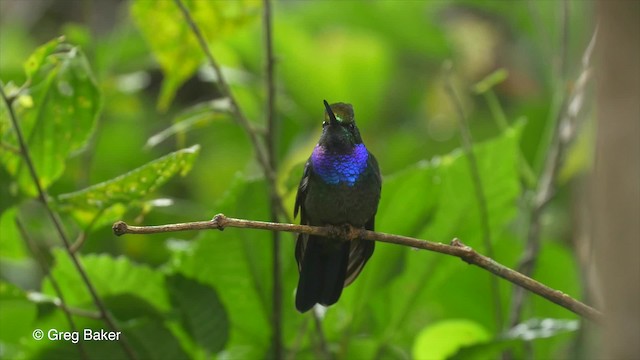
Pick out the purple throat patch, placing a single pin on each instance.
(340, 168)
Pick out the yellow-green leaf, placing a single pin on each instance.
(443, 339)
(57, 113)
(110, 198)
(172, 42)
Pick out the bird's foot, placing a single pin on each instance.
(344, 232)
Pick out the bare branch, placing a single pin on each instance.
(41, 298)
(457, 249)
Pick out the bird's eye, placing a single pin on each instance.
(352, 126)
(324, 123)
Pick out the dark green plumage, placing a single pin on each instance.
(341, 185)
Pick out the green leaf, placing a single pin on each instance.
(110, 276)
(444, 338)
(57, 113)
(517, 337)
(435, 201)
(128, 306)
(201, 312)
(234, 262)
(152, 339)
(489, 350)
(458, 213)
(557, 258)
(17, 314)
(394, 218)
(12, 246)
(173, 43)
(110, 198)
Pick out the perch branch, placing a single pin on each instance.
(44, 198)
(457, 249)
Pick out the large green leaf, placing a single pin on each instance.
(440, 204)
(458, 212)
(171, 40)
(110, 198)
(408, 202)
(235, 263)
(16, 314)
(517, 337)
(147, 332)
(201, 313)
(57, 113)
(154, 340)
(110, 276)
(440, 340)
(11, 246)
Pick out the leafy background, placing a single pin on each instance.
(124, 121)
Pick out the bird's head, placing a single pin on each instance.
(339, 131)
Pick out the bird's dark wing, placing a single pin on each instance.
(302, 193)
(322, 264)
(301, 241)
(361, 250)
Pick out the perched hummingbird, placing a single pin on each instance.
(341, 185)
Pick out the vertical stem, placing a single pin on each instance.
(54, 284)
(271, 156)
(546, 182)
(467, 145)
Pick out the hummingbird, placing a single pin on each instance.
(340, 185)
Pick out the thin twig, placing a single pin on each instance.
(238, 114)
(564, 42)
(273, 194)
(54, 284)
(546, 188)
(10, 148)
(44, 198)
(82, 237)
(467, 145)
(565, 131)
(41, 298)
(457, 249)
(322, 349)
(297, 342)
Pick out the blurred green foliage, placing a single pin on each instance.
(117, 109)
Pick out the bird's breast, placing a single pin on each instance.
(342, 188)
(337, 169)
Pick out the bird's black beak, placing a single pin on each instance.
(332, 116)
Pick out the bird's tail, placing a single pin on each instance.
(323, 267)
